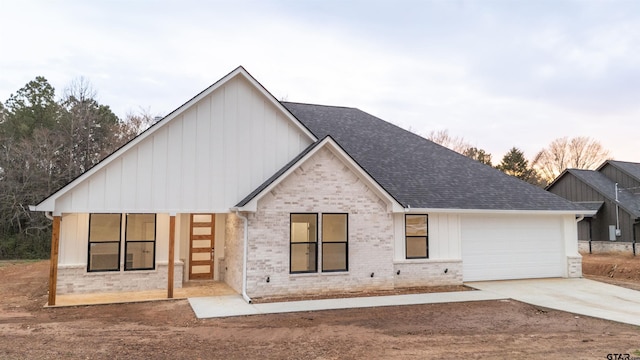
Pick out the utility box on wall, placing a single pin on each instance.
(614, 233)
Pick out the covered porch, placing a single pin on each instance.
(193, 243)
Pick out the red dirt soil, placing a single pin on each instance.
(169, 329)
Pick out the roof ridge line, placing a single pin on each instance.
(333, 106)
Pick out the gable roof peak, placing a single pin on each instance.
(632, 169)
(48, 204)
(319, 105)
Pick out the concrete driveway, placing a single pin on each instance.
(578, 296)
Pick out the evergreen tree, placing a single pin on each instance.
(478, 155)
(33, 106)
(515, 164)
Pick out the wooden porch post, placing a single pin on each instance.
(53, 266)
(172, 241)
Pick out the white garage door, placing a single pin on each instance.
(512, 247)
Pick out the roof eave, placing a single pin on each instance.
(500, 211)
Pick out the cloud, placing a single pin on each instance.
(500, 74)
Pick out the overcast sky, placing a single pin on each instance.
(498, 73)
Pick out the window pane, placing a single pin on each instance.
(198, 244)
(140, 255)
(104, 227)
(303, 228)
(103, 256)
(141, 227)
(201, 269)
(201, 256)
(303, 257)
(334, 256)
(416, 225)
(202, 230)
(416, 247)
(202, 218)
(334, 227)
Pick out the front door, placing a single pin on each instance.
(201, 239)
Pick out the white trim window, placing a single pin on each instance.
(416, 231)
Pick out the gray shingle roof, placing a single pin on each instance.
(419, 173)
(606, 187)
(590, 205)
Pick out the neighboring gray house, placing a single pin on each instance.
(278, 198)
(616, 224)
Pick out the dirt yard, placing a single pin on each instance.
(169, 330)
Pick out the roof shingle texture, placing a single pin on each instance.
(419, 173)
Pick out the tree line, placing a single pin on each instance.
(579, 153)
(45, 142)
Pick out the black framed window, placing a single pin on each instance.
(303, 243)
(140, 242)
(335, 235)
(104, 242)
(416, 232)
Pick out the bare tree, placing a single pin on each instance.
(442, 137)
(580, 153)
(134, 124)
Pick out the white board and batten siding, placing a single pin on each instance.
(206, 159)
(501, 247)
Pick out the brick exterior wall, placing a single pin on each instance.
(323, 184)
(76, 279)
(600, 247)
(574, 266)
(233, 252)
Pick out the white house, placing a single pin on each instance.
(277, 198)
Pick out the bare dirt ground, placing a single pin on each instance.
(169, 329)
(617, 269)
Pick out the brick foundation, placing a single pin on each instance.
(574, 266)
(600, 247)
(427, 273)
(76, 279)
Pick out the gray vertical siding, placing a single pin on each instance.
(619, 176)
(573, 189)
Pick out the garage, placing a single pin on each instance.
(512, 247)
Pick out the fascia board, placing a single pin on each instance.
(506, 212)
